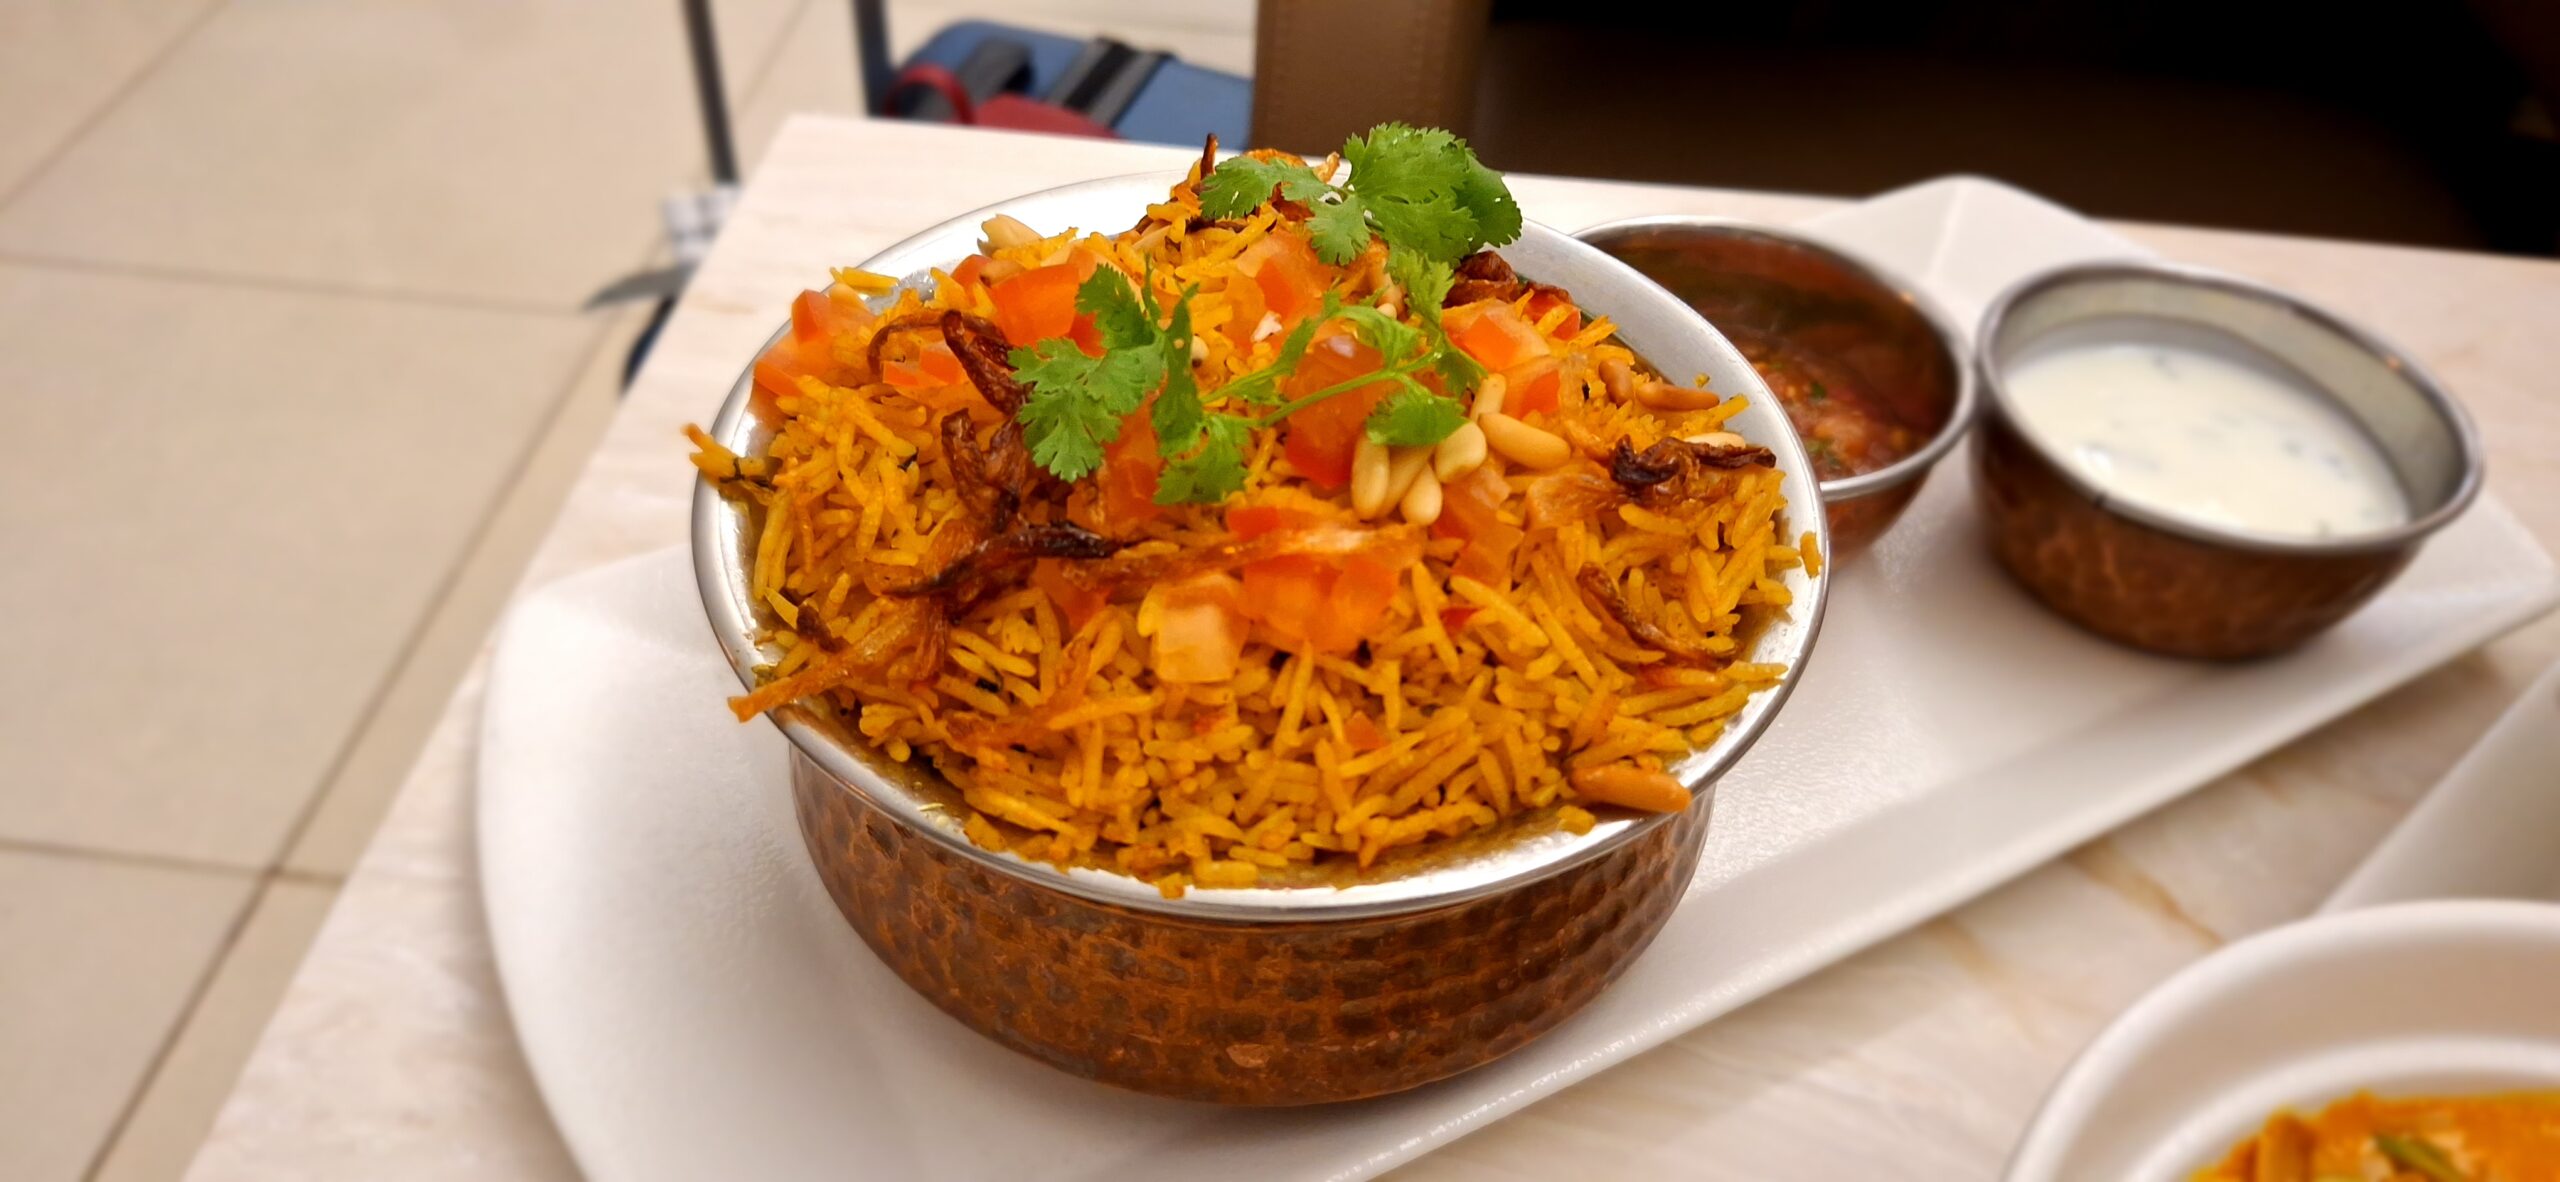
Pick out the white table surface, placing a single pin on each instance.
(391, 1056)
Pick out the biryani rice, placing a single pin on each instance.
(1471, 705)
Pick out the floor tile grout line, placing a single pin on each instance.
(290, 286)
(129, 858)
(186, 1014)
(108, 105)
(411, 644)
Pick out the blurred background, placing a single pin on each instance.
(310, 311)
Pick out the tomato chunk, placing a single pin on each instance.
(1470, 510)
(1285, 267)
(1200, 631)
(1076, 602)
(781, 367)
(1533, 386)
(1494, 335)
(1322, 437)
(1305, 602)
(932, 365)
(1546, 300)
(1130, 469)
(1040, 304)
(1355, 603)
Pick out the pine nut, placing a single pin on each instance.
(1267, 327)
(1199, 348)
(1462, 452)
(1421, 503)
(1619, 378)
(1489, 393)
(1369, 476)
(1523, 444)
(1005, 231)
(1662, 395)
(1630, 787)
(1404, 466)
(1720, 439)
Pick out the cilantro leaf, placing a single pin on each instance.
(1240, 184)
(1421, 189)
(1497, 213)
(1426, 281)
(1427, 192)
(1459, 373)
(1077, 401)
(1263, 385)
(1339, 230)
(1178, 411)
(1118, 314)
(1394, 339)
(1205, 477)
(1414, 417)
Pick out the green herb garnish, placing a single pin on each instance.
(1076, 401)
(2420, 1154)
(1414, 417)
(1420, 189)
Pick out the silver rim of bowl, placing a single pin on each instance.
(1960, 415)
(720, 577)
(2466, 436)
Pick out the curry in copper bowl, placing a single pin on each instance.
(1867, 369)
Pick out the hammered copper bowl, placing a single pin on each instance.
(1789, 289)
(1330, 986)
(2168, 584)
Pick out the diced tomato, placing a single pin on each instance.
(1293, 282)
(1354, 605)
(1322, 437)
(1200, 629)
(813, 318)
(970, 269)
(1533, 386)
(1253, 521)
(932, 365)
(1493, 334)
(779, 371)
(1470, 509)
(1246, 299)
(1130, 468)
(1546, 300)
(1306, 602)
(1040, 304)
(1363, 733)
(1454, 618)
(1074, 601)
(809, 348)
(1286, 595)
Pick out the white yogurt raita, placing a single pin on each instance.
(2205, 435)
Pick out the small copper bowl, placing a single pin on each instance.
(1758, 284)
(2170, 584)
(1332, 986)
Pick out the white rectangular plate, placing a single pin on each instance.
(693, 1007)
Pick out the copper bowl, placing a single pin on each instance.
(1331, 986)
(1790, 289)
(2170, 584)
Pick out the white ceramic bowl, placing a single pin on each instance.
(2431, 997)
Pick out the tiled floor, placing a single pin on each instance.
(291, 336)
